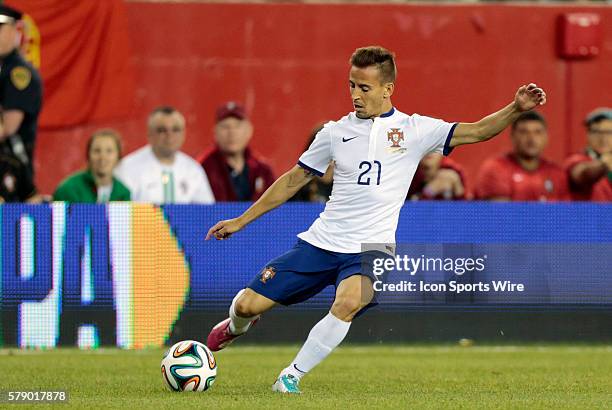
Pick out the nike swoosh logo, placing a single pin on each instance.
(347, 139)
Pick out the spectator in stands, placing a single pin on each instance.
(20, 92)
(523, 174)
(587, 168)
(319, 188)
(235, 172)
(96, 184)
(159, 172)
(16, 183)
(438, 177)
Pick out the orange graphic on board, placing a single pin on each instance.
(160, 281)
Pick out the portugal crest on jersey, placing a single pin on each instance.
(395, 136)
(267, 274)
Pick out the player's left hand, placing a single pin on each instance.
(529, 96)
(224, 229)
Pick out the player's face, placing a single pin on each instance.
(167, 133)
(370, 96)
(600, 136)
(103, 155)
(233, 135)
(8, 38)
(529, 139)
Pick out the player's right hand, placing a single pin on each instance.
(529, 97)
(224, 229)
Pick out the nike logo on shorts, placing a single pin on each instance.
(347, 139)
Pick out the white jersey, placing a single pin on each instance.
(151, 181)
(375, 161)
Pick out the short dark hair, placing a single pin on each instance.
(377, 56)
(529, 116)
(162, 109)
(105, 132)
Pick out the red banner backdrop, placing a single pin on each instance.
(84, 60)
(288, 64)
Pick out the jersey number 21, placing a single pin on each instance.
(366, 166)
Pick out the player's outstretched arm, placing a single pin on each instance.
(527, 98)
(279, 192)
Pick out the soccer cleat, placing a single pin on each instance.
(287, 383)
(220, 336)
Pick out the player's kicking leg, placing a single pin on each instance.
(352, 294)
(244, 312)
(278, 282)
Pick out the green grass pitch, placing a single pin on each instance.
(354, 377)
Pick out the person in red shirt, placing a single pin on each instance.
(438, 177)
(587, 168)
(234, 171)
(523, 174)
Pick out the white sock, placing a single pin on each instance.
(238, 324)
(324, 337)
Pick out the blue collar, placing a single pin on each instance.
(388, 114)
(385, 115)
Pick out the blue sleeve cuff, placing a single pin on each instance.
(447, 148)
(314, 171)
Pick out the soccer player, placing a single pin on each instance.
(376, 150)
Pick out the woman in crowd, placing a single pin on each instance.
(96, 184)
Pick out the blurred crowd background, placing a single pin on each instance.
(197, 102)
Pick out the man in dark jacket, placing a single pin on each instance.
(235, 173)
